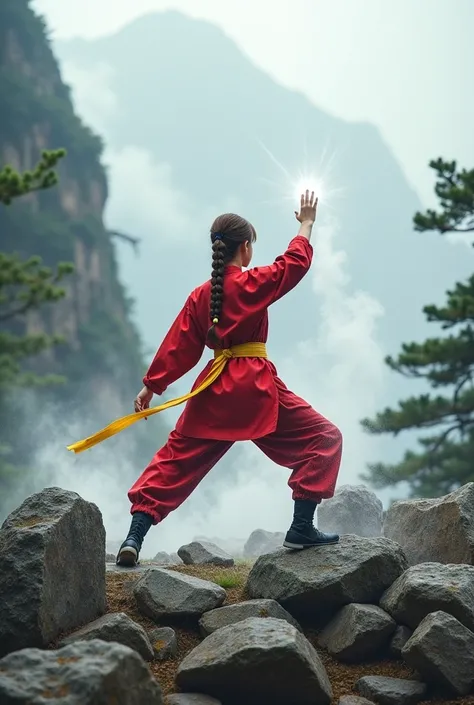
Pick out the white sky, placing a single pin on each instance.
(404, 66)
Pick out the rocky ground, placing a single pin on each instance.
(343, 677)
(355, 623)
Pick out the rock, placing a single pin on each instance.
(164, 642)
(354, 700)
(318, 581)
(163, 558)
(132, 571)
(437, 530)
(231, 545)
(399, 639)
(204, 553)
(52, 576)
(354, 509)
(384, 690)
(110, 558)
(261, 542)
(231, 614)
(165, 593)
(256, 662)
(430, 587)
(442, 651)
(357, 632)
(116, 627)
(83, 673)
(190, 699)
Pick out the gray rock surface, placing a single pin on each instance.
(163, 558)
(430, 587)
(357, 632)
(204, 553)
(190, 699)
(261, 542)
(256, 662)
(437, 530)
(354, 509)
(115, 627)
(399, 639)
(83, 673)
(318, 581)
(354, 700)
(384, 690)
(165, 593)
(442, 650)
(231, 614)
(52, 576)
(164, 642)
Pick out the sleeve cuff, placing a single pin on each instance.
(153, 387)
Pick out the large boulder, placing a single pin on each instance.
(357, 632)
(117, 627)
(83, 673)
(354, 509)
(430, 587)
(256, 662)
(442, 650)
(318, 581)
(52, 576)
(261, 542)
(204, 553)
(166, 593)
(435, 530)
(231, 614)
(386, 690)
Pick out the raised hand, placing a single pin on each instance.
(308, 208)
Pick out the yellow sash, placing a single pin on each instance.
(221, 358)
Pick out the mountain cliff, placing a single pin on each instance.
(101, 358)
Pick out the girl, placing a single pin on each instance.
(247, 400)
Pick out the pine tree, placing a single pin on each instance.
(445, 457)
(25, 284)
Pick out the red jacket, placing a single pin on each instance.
(242, 404)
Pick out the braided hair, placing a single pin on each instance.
(228, 232)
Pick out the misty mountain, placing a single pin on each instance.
(194, 128)
(188, 96)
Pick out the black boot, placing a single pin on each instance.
(302, 533)
(130, 549)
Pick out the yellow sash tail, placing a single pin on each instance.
(221, 357)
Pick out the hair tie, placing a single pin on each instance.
(215, 320)
(217, 236)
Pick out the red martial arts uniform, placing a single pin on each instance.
(247, 402)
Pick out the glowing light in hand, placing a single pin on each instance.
(309, 183)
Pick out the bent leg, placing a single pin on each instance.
(175, 471)
(306, 443)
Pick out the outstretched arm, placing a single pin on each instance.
(179, 352)
(265, 285)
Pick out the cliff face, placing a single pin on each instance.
(66, 223)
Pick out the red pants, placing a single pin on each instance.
(304, 442)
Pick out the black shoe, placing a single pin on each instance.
(131, 547)
(302, 533)
(309, 536)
